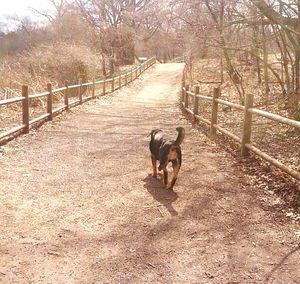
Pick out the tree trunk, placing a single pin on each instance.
(266, 71)
(256, 54)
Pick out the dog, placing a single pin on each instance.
(165, 151)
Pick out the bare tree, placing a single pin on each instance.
(286, 15)
(115, 22)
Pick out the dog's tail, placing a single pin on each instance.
(181, 135)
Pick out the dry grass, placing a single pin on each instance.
(53, 63)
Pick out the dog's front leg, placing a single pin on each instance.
(176, 168)
(154, 166)
(165, 177)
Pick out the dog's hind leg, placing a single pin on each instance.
(154, 166)
(176, 168)
(165, 177)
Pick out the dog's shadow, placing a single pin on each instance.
(164, 196)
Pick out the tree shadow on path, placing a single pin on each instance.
(166, 197)
(281, 262)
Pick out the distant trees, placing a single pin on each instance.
(25, 36)
(119, 29)
(115, 23)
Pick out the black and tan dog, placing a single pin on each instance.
(165, 151)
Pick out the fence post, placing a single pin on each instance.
(183, 87)
(113, 83)
(104, 86)
(66, 94)
(49, 101)
(186, 96)
(214, 113)
(93, 90)
(25, 106)
(80, 90)
(247, 128)
(196, 104)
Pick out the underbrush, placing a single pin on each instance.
(277, 140)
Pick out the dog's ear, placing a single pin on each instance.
(153, 132)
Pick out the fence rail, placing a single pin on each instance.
(249, 111)
(108, 86)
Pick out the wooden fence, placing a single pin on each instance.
(249, 111)
(107, 86)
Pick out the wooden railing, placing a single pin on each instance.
(107, 86)
(249, 111)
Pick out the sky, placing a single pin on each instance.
(20, 8)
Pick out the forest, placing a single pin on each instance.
(255, 44)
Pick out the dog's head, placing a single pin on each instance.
(168, 152)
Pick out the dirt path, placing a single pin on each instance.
(78, 204)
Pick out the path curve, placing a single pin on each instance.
(78, 204)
